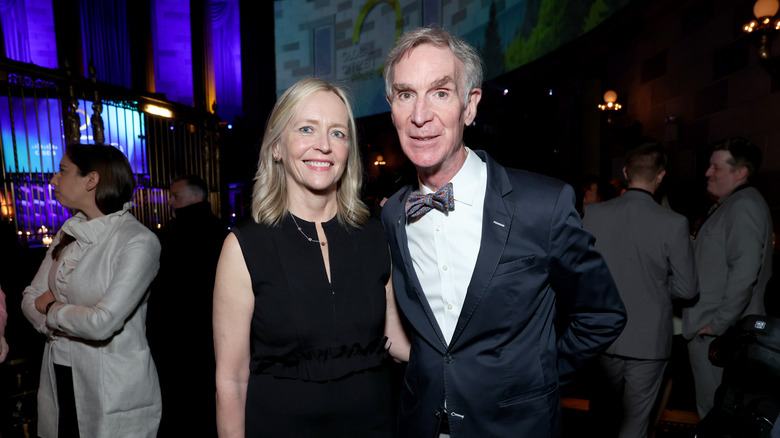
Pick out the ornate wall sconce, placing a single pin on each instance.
(765, 25)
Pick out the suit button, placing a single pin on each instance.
(448, 359)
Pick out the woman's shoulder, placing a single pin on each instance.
(248, 227)
(130, 223)
(132, 230)
(249, 233)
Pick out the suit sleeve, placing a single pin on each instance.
(590, 312)
(685, 283)
(744, 252)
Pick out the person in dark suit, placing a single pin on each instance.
(733, 251)
(482, 283)
(191, 245)
(648, 250)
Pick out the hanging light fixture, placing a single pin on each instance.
(765, 25)
(610, 102)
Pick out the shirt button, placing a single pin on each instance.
(444, 267)
(449, 306)
(438, 227)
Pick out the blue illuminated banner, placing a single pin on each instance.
(123, 128)
(37, 129)
(38, 133)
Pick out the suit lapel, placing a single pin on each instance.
(403, 247)
(496, 220)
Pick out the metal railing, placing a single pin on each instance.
(43, 110)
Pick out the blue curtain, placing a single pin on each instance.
(105, 39)
(226, 52)
(14, 22)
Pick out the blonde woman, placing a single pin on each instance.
(303, 303)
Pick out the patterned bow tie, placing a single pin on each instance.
(419, 204)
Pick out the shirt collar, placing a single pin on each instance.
(638, 190)
(464, 183)
(89, 231)
(738, 188)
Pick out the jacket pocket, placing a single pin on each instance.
(512, 266)
(542, 392)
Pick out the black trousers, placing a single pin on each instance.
(68, 425)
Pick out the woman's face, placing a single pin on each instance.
(315, 145)
(70, 188)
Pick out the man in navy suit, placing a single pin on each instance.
(483, 279)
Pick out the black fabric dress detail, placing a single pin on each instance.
(318, 363)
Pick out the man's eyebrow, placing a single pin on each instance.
(442, 81)
(436, 83)
(400, 87)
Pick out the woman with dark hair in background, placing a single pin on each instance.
(89, 299)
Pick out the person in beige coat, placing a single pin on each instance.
(89, 299)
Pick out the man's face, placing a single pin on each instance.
(428, 109)
(182, 196)
(722, 178)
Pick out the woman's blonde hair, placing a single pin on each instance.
(269, 197)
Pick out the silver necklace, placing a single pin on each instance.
(323, 243)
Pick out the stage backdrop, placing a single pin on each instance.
(347, 41)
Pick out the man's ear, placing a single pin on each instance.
(625, 175)
(93, 178)
(660, 176)
(470, 112)
(742, 173)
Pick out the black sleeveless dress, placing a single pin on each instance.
(318, 364)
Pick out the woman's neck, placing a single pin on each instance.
(312, 207)
(92, 213)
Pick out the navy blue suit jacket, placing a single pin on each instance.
(501, 372)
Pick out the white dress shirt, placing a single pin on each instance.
(444, 246)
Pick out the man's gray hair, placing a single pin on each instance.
(440, 38)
